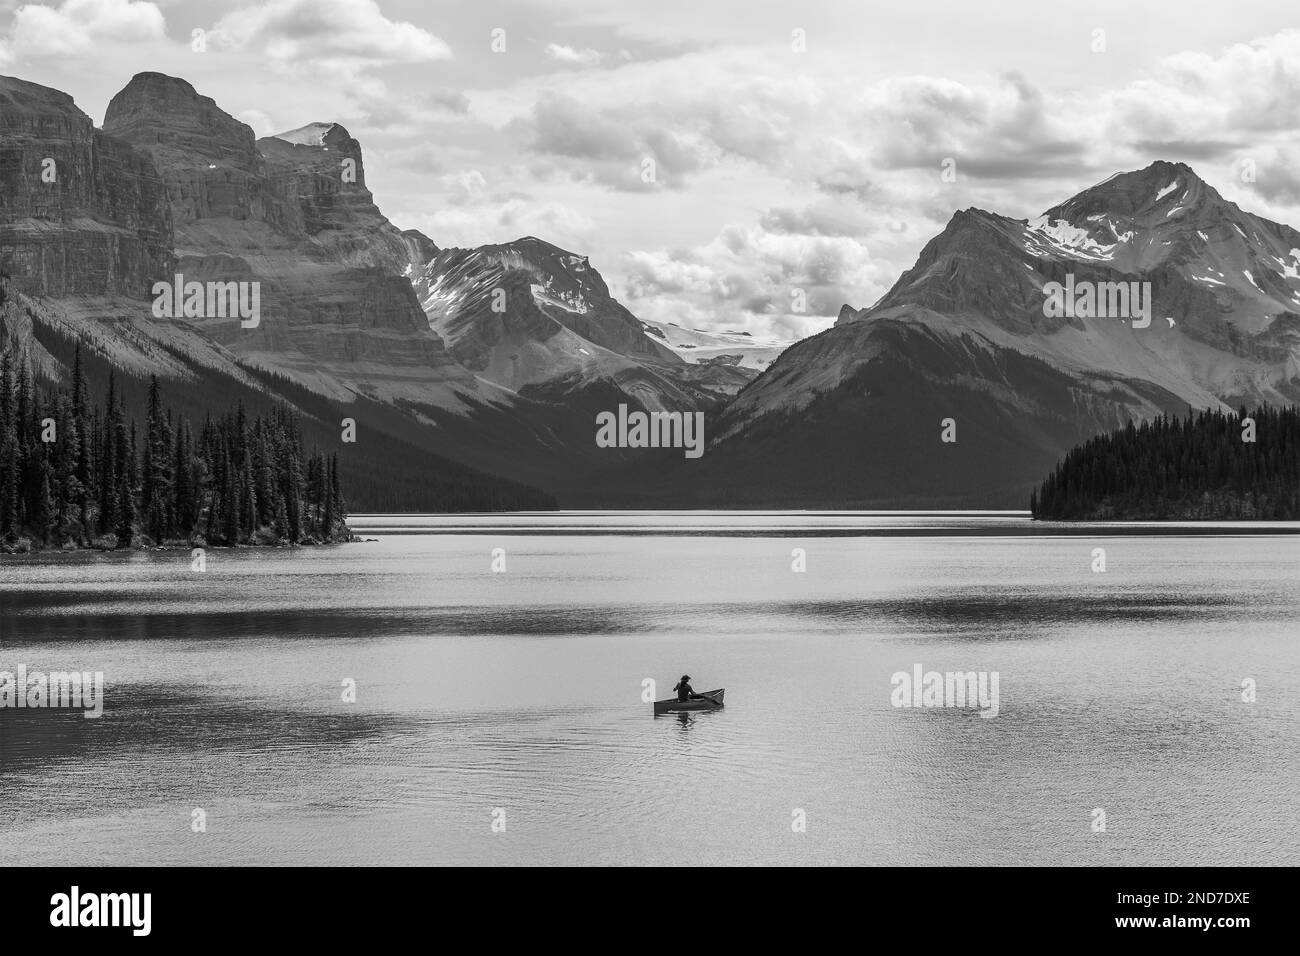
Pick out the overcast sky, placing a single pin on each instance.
(795, 145)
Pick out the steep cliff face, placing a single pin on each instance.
(319, 172)
(292, 213)
(81, 213)
(420, 249)
(207, 157)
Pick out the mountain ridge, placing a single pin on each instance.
(500, 355)
(965, 335)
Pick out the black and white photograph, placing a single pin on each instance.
(590, 433)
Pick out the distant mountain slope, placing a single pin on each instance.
(530, 314)
(853, 415)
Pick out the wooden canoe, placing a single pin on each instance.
(673, 705)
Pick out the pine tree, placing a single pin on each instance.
(85, 478)
(183, 488)
(108, 460)
(229, 502)
(9, 474)
(125, 513)
(292, 483)
(329, 495)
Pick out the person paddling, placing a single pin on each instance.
(685, 691)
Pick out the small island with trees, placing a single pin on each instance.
(1209, 466)
(79, 474)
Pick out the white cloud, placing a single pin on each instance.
(859, 163)
(348, 34)
(493, 219)
(1243, 92)
(77, 26)
(575, 57)
(771, 283)
(261, 123)
(466, 186)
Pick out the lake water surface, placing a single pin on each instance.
(518, 695)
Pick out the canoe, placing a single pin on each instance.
(673, 705)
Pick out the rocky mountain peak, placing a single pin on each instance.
(178, 125)
(19, 97)
(420, 248)
(1155, 190)
(322, 147)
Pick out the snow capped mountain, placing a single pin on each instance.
(1229, 280)
(515, 278)
(530, 315)
(968, 333)
(1251, 265)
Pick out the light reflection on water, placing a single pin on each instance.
(522, 691)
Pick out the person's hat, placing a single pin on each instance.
(686, 677)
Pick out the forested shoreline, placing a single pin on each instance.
(1209, 466)
(75, 473)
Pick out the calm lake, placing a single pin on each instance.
(516, 696)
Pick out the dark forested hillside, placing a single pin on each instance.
(76, 471)
(389, 468)
(1206, 466)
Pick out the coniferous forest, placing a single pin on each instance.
(78, 473)
(1196, 468)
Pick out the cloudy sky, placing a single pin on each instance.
(720, 160)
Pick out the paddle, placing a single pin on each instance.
(710, 699)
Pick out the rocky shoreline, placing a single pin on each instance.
(108, 543)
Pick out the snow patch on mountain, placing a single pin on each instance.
(313, 134)
(702, 347)
(572, 301)
(1066, 237)
(1288, 269)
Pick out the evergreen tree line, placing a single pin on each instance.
(80, 473)
(1196, 468)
